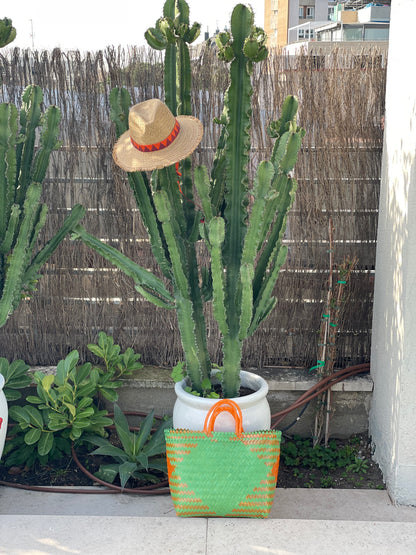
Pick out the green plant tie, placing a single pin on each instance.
(320, 364)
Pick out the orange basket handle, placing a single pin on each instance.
(225, 405)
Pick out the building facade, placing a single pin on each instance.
(292, 22)
(287, 21)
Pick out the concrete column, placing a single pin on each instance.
(393, 357)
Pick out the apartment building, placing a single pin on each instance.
(287, 21)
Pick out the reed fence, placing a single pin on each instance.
(338, 172)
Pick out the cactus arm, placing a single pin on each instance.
(261, 186)
(30, 115)
(178, 68)
(287, 163)
(48, 143)
(182, 292)
(154, 299)
(7, 32)
(272, 201)
(155, 38)
(283, 203)
(176, 247)
(120, 101)
(232, 349)
(68, 225)
(246, 278)
(285, 151)
(197, 311)
(202, 187)
(264, 176)
(7, 243)
(172, 8)
(144, 200)
(265, 302)
(216, 238)
(8, 132)
(169, 75)
(140, 275)
(183, 72)
(167, 180)
(19, 257)
(38, 224)
(288, 114)
(218, 173)
(237, 148)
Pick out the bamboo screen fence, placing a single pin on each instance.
(341, 107)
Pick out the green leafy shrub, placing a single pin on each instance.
(116, 365)
(15, 377)
(62, 411)
(66, 405)
(140, 451)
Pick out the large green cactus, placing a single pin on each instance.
(245, 245)
(22, 170)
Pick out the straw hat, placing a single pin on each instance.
(155, 138)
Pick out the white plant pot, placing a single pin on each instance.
(190, 411)
(3, 416)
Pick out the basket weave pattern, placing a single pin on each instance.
(223, 474)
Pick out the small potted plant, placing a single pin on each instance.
(241, 226)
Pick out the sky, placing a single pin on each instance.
(95, 24)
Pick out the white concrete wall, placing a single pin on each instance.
(393, 359)
(293, 13)
(321, 10)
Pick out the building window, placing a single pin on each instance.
(331, 13)
(310, 12)
(305, 34)
(301, 16)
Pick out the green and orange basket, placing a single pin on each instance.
(223, 474)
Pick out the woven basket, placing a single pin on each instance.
(223, 474)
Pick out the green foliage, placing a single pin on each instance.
(22, 216)
(17, 452)
(15, 377)
(359, 465)
(117, 365)
(62, 411)
(178, 372)
(139, 452)
(300, 453)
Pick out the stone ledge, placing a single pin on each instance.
(282, 378)
(279, 378)
(153, 388)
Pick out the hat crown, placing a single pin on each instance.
(150, 122)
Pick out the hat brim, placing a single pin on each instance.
(130, 159)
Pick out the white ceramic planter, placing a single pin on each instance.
(190, 411)
(3, 416)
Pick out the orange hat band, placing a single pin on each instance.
(159, 146)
